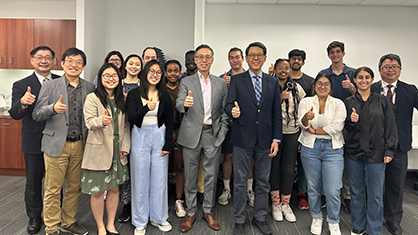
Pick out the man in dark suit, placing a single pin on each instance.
(24, 95)
(405, 98)
(254, 105)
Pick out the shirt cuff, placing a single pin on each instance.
(277, 140)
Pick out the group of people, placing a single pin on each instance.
(114, 139)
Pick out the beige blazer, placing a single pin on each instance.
(98, 153)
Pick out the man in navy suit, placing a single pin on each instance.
(405, 98)
(24, 95)
(254, 105)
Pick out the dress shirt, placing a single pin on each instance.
(41, 78)
(385, 89)
(206, 95)
(74, 109)
(260, 76)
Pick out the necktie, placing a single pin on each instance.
(46, 79)
(257, 89)
(389, 94)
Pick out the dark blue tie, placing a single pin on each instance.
(257, 89)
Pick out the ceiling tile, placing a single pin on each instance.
(307, 2)
(339, 2)
(258, 1)
(381, 2)
(221, 1)
(410, 3)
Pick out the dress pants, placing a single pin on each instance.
(35, 168)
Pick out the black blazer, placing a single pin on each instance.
(263, 122)
(405, 100)
(31, 130)
(137, 110)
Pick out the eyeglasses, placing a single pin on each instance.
(393, 67)
(40, 58)
(150, 58)
(283, 68)
(79, 63)
(152, 72)
(189, 59)
(114, 60)
(252, 56)
(320, 84)
(296, 59)
(237, 57)
(201, 57)
(107, 76)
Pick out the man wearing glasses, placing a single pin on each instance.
(405, 98)
(254, 106)
(24, 96)
(201, 98)
(60, 104)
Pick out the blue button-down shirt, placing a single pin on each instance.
(338, 91)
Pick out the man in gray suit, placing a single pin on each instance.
(201, 99)
(60, 104)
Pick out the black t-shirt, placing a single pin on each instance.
(305, 81)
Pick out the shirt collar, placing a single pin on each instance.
(385, 84)
(41, 78)
(201, 77)
(260, 74)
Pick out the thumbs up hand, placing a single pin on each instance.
(236, 111)
(354, 116)
(151, 104)
(347, 83)
(59, 107)
(271, 69)
(28, 98)
(284, 95)
(227, 78)
(106, 119)
(310, 114)
(189, 100)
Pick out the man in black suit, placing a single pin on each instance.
(24, 96)
(405, 97)
(254, 105)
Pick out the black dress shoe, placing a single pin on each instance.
(393, 228)
(34, 225)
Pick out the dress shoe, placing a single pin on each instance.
(239, 229)
(212, 222)
(34, 225)
(187, 223)
(393, 228)
(263, 226)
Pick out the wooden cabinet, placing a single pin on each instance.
(12, 160)
(48, 33)
(68, 35)
(19, 42)
(2, 44)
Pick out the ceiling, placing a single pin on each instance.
(322, 2)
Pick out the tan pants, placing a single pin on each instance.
(66, 166)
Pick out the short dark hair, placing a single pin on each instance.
(172, 62)
(280, 60)
(33, 52)
(297, 52)
(235, 49)
(391, 57)
(189, 52)
(74, 51)
(201, 46)
(364, 68)
(127, 59)
(256, 44)
(101, 92)
(320, 75)
(335, 44)
(153, 48)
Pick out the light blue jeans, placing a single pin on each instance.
(323, 166)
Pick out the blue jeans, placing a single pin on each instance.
(366, 214)
(323, 165)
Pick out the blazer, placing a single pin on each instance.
(98, 153)
(31, 130)
(406, 100)
(56, 127)
(262, 122)
(191, 125)
(137, 110)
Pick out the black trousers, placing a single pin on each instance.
(35, 168)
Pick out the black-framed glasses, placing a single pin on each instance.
(393, 67)
(252, 56)
(158, 72)
(40, 58)
(107, 76)
(201, 57)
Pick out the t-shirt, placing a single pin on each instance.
(305, 81)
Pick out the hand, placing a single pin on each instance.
(284, 95)
(122, 154)
(124, 93)
(274, 149)
(271, 69)
(310, 130)
(163, 153)
(347, 83)
(310, 114)
(59, 107)
(235, 111)
(387, 159)
(227, 78)
(189, 100)
(28, 98)
(354, 116)
(151, 105)
(106, 119)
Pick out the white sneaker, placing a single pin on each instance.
(140, 231)
(225, 196)
(250, 197)
(316, 226)
(165, 227)
(180, 211)
(288, 213)
(276, 211)
(334, 228)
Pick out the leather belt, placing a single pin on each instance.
(205, 127)
(73, 138)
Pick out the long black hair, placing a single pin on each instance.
(102, 93)
(161, 86)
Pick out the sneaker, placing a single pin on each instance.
(288, 213)
(239, 229)
(357, 232)
(165, 227)
(140, 231)
(250, 197)
(125, 216)
(225, 196)
(347, 205)
(263, 226)
(180, 211)
(276, 211)
(75, 229)
(323, 201)
(334, 228)
(303, 203)
(316, 226)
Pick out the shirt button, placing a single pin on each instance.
(256, 122)
(258, 110)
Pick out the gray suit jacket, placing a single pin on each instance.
(191, 125)
(56, 127)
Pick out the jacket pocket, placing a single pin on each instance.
(48, 132)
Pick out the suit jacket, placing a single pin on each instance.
(98, 153)
(31, 130)
(56, 126)
(263, 122)
(405, 100)
(191, 125)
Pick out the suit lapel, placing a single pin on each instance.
(63, 90)
(249, 84)
(34, 84)
(264, 89)
(198, 88)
